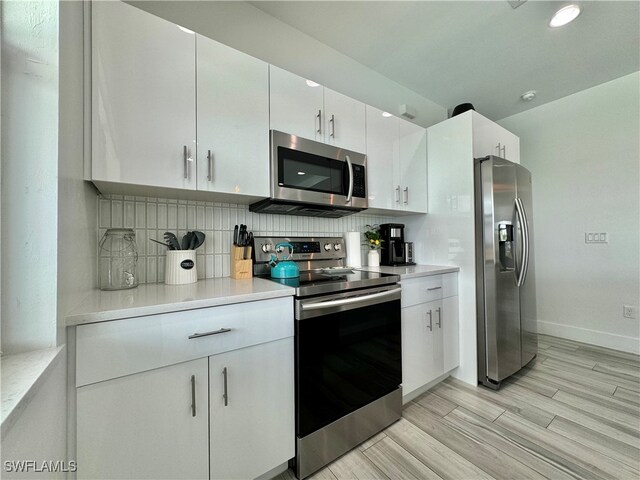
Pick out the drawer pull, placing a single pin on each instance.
(193, 395)
(215, 332)
(433, 288)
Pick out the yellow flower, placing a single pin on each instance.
(377, 242)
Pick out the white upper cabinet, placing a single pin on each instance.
(304, 108)
(143, 98)
(396, 163)
(296, 105)
(233, 120)
(344, 121)
(382, 160)
(413, 167)
(489, 138)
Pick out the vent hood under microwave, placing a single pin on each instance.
(314, 179)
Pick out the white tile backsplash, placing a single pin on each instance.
(151, 217)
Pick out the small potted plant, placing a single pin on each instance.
(374, 243)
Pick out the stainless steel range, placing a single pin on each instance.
(347, 349)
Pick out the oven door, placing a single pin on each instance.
(311, 172)
(348, 353)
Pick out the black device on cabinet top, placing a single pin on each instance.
(314, 179)
(394, 252)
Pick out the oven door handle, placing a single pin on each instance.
(349, 301)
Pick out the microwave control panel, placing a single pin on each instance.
(358, 181)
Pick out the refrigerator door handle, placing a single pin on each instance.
(524, 262)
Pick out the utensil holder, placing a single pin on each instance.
(180, 267)
(241, 268)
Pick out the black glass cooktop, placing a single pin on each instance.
(317, 282)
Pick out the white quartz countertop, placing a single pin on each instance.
(152, 299)
(413, 271)
(22, 375)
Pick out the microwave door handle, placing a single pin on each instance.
(350, 168)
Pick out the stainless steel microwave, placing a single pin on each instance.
(314, 179)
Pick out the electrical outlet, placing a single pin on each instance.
(596, 237)
(629, 311)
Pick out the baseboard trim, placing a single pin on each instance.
(593, 337)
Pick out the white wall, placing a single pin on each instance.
(29, 171)
(77, 200)
(583, 152)
(249, 29)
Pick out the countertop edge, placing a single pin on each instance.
(141, 311)
(31, 383)
(436, 270)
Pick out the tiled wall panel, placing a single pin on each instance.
(151, 217)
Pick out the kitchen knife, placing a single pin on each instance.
(235, 235)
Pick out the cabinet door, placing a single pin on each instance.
(489, 138)
(144, 426)
(252, 428)
(413, 167)
(296, 105)
(421, 354)
(344, 121)
(450, 327)
(143, 98)
(233, 120)
(382, 160)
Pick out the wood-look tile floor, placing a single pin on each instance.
(574, 413)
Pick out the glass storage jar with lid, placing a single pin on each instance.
(118, 259)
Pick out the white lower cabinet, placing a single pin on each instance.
(429, 331)
(249, 435)
(144, 425)
(227, 414)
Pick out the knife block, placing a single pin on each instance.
(240, 268)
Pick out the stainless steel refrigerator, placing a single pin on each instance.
(505, 273)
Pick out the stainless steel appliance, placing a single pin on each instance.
(505, 286)
(394, 251)
(347, 349)
(314, 179)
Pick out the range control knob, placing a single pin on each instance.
(327, 246)
(266, 247)
(337, 246)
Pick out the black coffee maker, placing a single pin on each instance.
(393, 251)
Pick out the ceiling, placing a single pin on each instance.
(483, 52)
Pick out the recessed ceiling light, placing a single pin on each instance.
(565, 15)
(302, 173)
(528, 96)
(185, 30)
(386, 114)
(311, 83)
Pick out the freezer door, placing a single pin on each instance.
(501, 295)
(528, 313)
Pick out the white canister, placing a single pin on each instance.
(373, 258)
(180, 267)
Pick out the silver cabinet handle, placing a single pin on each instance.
(185, 157)
(430, 326)
(398, 194)
(319, 117)
(193, 395)
(504, 151)
(433, 288)
(333, 126)
(406, 195)
(209, 165)
(350, 166)
(225, 394)
(498, 148)
(206, 334)
(439, 322)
